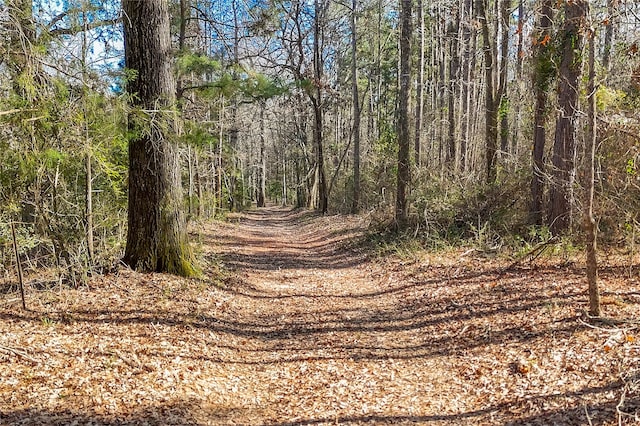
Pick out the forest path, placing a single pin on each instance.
(332, 336)
(336, 337)
(311, 327)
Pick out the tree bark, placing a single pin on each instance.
(420, 86)
(262, 173)
(542, 76)
(355, 208)
(467, 73)
(404, 171)
(88, 212)
(316, 100)
(519, 86)
(589, 221)
(572, 41)
(490, 99)
(453, 82)
(502, 101)
(156, 236)
(608, 33)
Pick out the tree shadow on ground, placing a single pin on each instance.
(411, 319)
(193, 413)
(174, 413)
(599, 414)
(310, 247)
(439, 325)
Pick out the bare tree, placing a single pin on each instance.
(612, 11)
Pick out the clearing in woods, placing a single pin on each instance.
(311, 328)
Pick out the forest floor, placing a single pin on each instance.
(310, 327)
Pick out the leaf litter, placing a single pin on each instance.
(309, 328)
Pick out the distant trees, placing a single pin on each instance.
(346, 105)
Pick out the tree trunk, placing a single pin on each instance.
(191, 186)
(608, 33)
(561, 203)
(404, 171)
(219, 160)
(355, 208)
(519, 86)
(88, 213)
(198, 179)
(182, 36)
(420, 86)
(490, 101)
(453, 81)
(441, 95)
(262, 173)
(589, 221)
(542, 76)
(318, 65)
(467, 72)
(156, 237)
(502, 101)
(285, 196)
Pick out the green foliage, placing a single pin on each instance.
(198, 136)
(198, 64)
(608, 98)
(43, 171)
(261, 87)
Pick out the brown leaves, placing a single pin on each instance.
(308, 331)
(545, 40)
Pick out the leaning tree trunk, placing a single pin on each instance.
(156, 237)
(564, 148)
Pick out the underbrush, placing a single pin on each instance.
(488, 219)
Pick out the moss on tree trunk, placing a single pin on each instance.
(156, 237)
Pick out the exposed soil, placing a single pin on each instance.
(309, 327)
